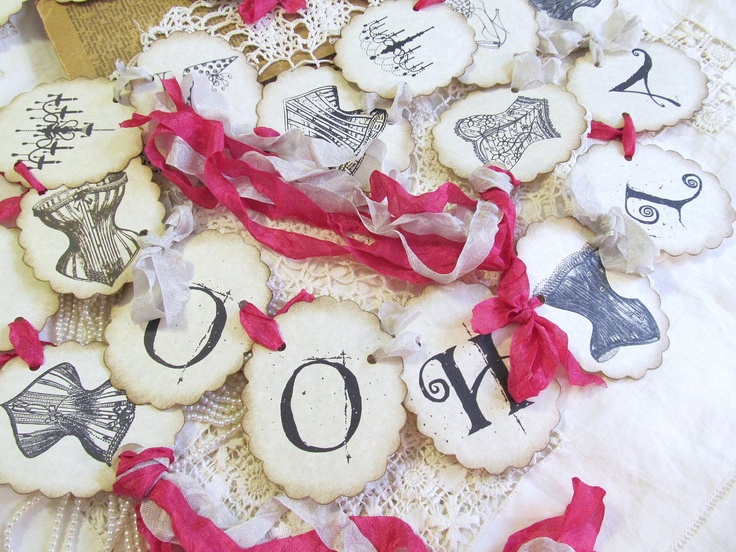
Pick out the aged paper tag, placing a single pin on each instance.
(528, 132)
(67, 133)
(392, 43)
(656, 84)
(213, 66)
(23, 295)
(683, 208)
(321, 417)
(166, 364)
(458, 385)
(613, 320)
(61, 425)
(84, 240)
(324, 105)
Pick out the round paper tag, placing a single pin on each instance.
(84, 240)
(67, 133)
(166, 364)
(392, 43)
(656, 84)
(321, 417)
(62, 425)
(503, 28)
(528, 132)
(23, 295)
(324, 105)
(217, 70)
(683, 208)
(613, 320)
(458, 385)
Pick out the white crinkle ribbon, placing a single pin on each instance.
(394, 318)
(160, 274)
(529, 68)
(127, 77)
(483, 179)
(623, 245)
(621, 32)
(301, 163)
(545, 544)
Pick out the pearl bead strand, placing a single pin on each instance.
(58, 520)
(18, 513)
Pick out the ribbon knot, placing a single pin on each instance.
(538, 346)
(626, 134)
(138, 473)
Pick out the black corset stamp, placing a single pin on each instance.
(56, 405)
(99, 251)
(317, 113)
(579, 285)
(562, 9)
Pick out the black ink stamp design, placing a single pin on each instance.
(562, 9)
(207, 342)
(54, 129)
(642, 74)
(579, 284)
(642, 206)
(99, 251)
(391, 51)
(504, 136)
(317, 113)
(493, 34)
(438, 390)
(214, 70)
(56, 405)
(353, 405)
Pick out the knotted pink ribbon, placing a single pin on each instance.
(538, 346)
(627, 134)
(143, 476)
(10, 207)
(26, 344)
(578, 527)
(421, 4)
(263, 329)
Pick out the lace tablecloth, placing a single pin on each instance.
(661, 446)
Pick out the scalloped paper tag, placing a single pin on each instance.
(613, 320)
(458, 385)
(586, 12)
(656, 84)
(320, 416)
(682, 207)
(23, 295)
(392, 43)
(84, 240)
(8, 8)
(215, 67)
(67, 133)
(503, 28)
(528, 132)
(173, 364)
(324, 105)
(62, 425)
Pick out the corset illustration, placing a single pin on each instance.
(505, 136)
(562, 9)
(99, 251)
(56, 405)
(579, 285)
(317, 113)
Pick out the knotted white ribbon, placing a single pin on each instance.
(619, 33)
(127, 77)
(160, 274)
(529, 69)
(622, 243)
(394, 319)
(483, 179)
(545, 544)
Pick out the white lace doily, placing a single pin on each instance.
(446, 503)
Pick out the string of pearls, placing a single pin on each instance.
(58, 520)
(18, 513)
(73, 528)
(121, 523)
(82, 320)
